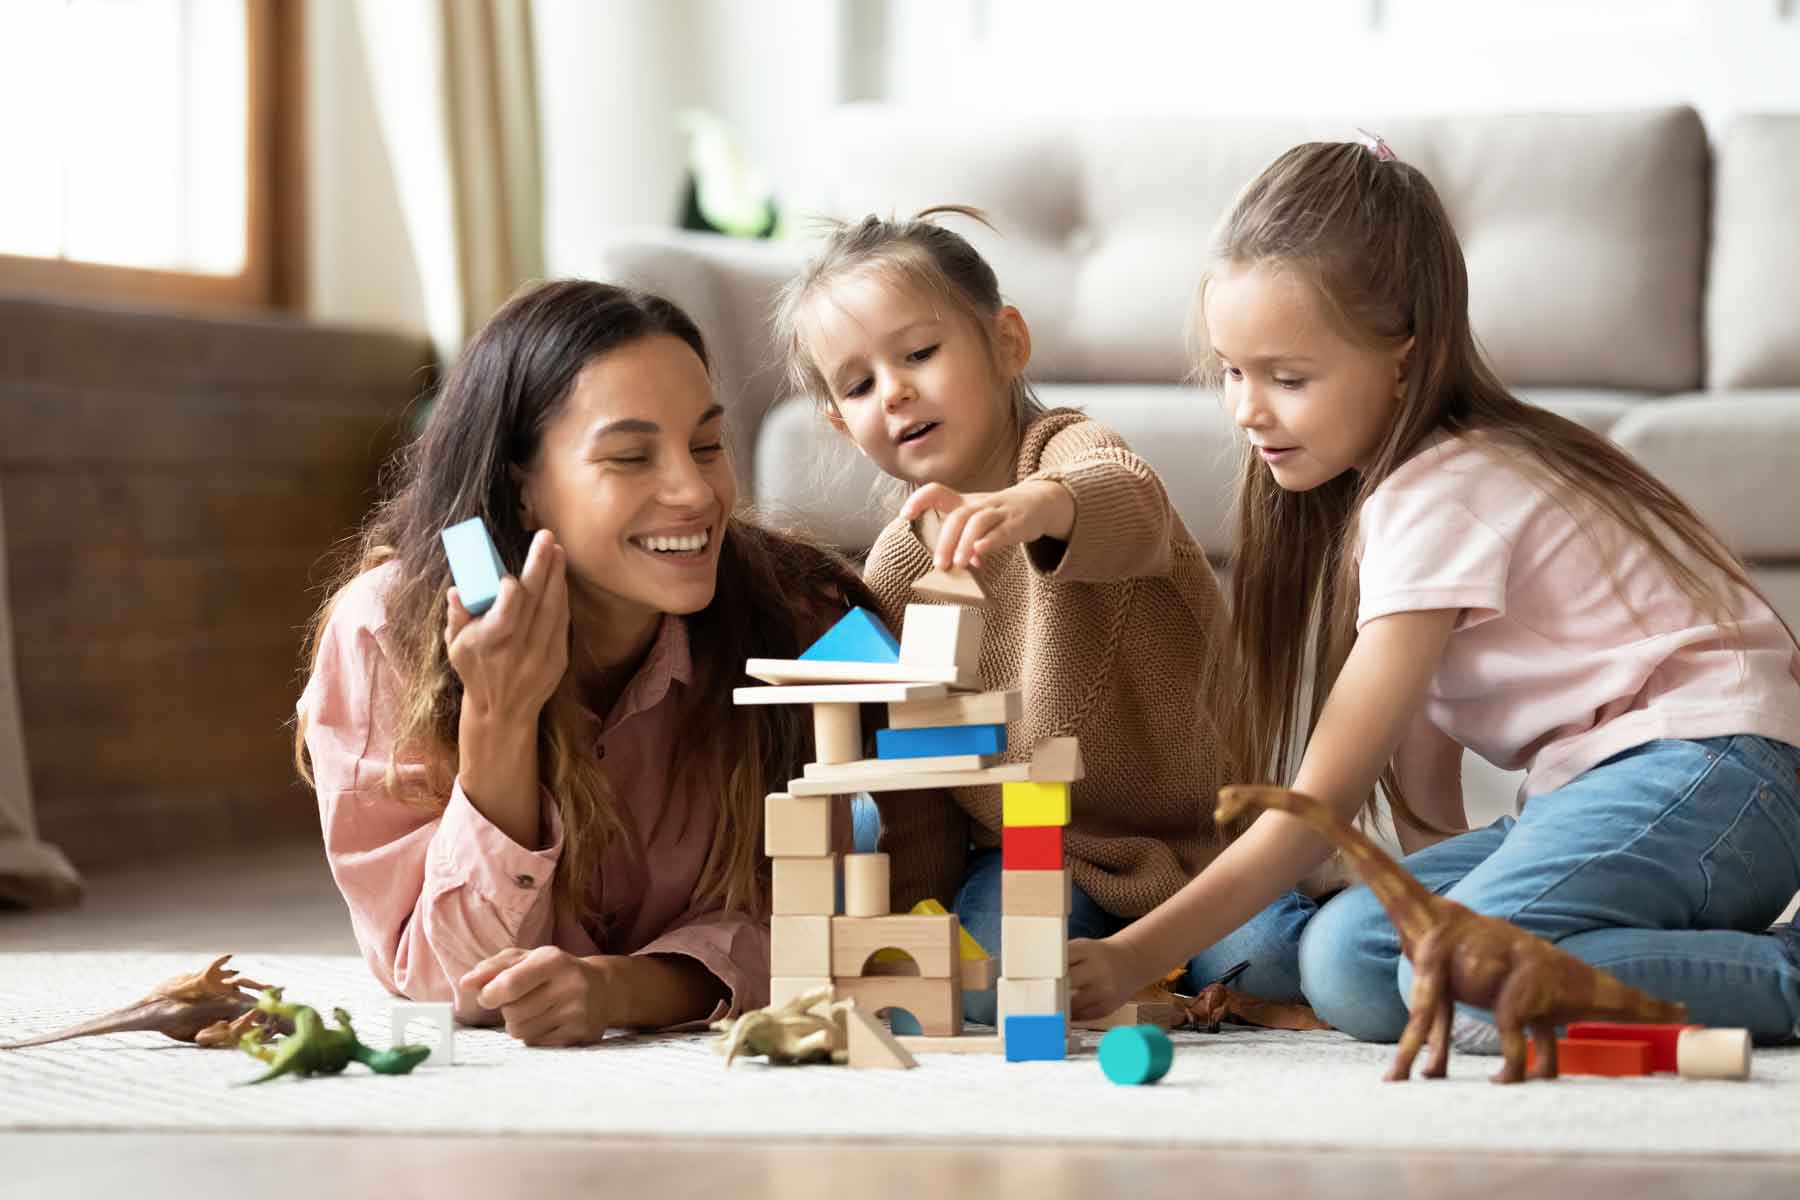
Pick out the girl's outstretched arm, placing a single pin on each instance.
(1371, 707)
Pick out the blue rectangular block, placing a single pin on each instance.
(474, 564)
(1036, 1037)
(937, 740)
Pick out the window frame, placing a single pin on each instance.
(273, 276)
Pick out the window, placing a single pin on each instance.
(150, 149)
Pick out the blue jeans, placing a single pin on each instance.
(1269, 941)
(1664, 865)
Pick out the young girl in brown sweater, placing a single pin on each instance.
(1104, 610)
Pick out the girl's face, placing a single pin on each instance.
(632, 477)
(1313, 404)
(917, 389)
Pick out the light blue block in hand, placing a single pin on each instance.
(474, 564)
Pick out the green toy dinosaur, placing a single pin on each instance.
(313, 1049)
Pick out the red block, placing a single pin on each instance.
(1031, 847)
(1596, 1056)
(1661, 1039)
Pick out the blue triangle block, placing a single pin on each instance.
(859, 638)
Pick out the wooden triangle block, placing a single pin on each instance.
(859, 638)
(950, 587)
(873, 1046)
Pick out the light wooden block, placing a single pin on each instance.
(1713, 1054)
(935, 1003)
(1036, 893)
(871, 1045)
(1057, 760)
(930, 941)
(903, 782)
(1033, 996)
(903, 694)
(1034, 804)
(884, 768)
(955, 586)
(942, 635)
(968, 1043)
(812, 671)
(979, 974)
(805, 887)
(975, 708)
(1033, 947)
(796, 826)
(783, 988)
(1159, 1013)
(866, 887)
(800, 946)
(837, 733)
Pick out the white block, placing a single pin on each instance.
(435, 1014)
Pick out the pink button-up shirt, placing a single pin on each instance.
(433, 890)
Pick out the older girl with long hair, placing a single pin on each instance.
(1454, 568)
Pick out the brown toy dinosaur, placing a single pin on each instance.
(1457, 955)
(211, 1008)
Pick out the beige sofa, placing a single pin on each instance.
(1624, 270)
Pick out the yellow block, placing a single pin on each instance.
(969, 948)
(1034, 803)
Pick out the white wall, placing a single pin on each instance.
(612, 78)
(1324, 57)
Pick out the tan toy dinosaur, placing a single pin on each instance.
(1461, 956)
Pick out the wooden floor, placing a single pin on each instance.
(280, 899)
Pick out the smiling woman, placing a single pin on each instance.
(551, 814)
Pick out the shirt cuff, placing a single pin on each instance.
(470, 850)
(1121, 526)
(735, 949)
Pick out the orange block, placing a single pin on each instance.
(1596, 1056)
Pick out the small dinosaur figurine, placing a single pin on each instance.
(787, 1033)
(211, 1008)
(1461, 956)
(312, 1049)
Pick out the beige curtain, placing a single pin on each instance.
(455, 85)
(31, 872)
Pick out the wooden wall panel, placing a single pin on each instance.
(171, 485)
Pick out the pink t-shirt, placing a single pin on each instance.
(434, 890)
(1546, 669)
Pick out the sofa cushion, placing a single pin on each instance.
(1729, 455)
(1752, 337)
(1585, 234)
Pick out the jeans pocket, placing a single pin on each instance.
(1753, 869)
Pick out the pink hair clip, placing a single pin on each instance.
(1376, 146)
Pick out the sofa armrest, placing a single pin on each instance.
(728, 285)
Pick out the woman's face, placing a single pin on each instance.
(632, 477)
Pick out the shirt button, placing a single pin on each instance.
(600, 750)
(525, 881)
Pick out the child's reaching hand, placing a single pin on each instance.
(977, 523)
(1102, 976)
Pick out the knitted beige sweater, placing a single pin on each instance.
(1105, 635)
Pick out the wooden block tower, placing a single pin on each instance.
(942, 732)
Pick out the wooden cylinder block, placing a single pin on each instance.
(866, 891)
(1713, 1054)
(837, 733)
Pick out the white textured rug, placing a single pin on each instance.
(1237, 1088)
